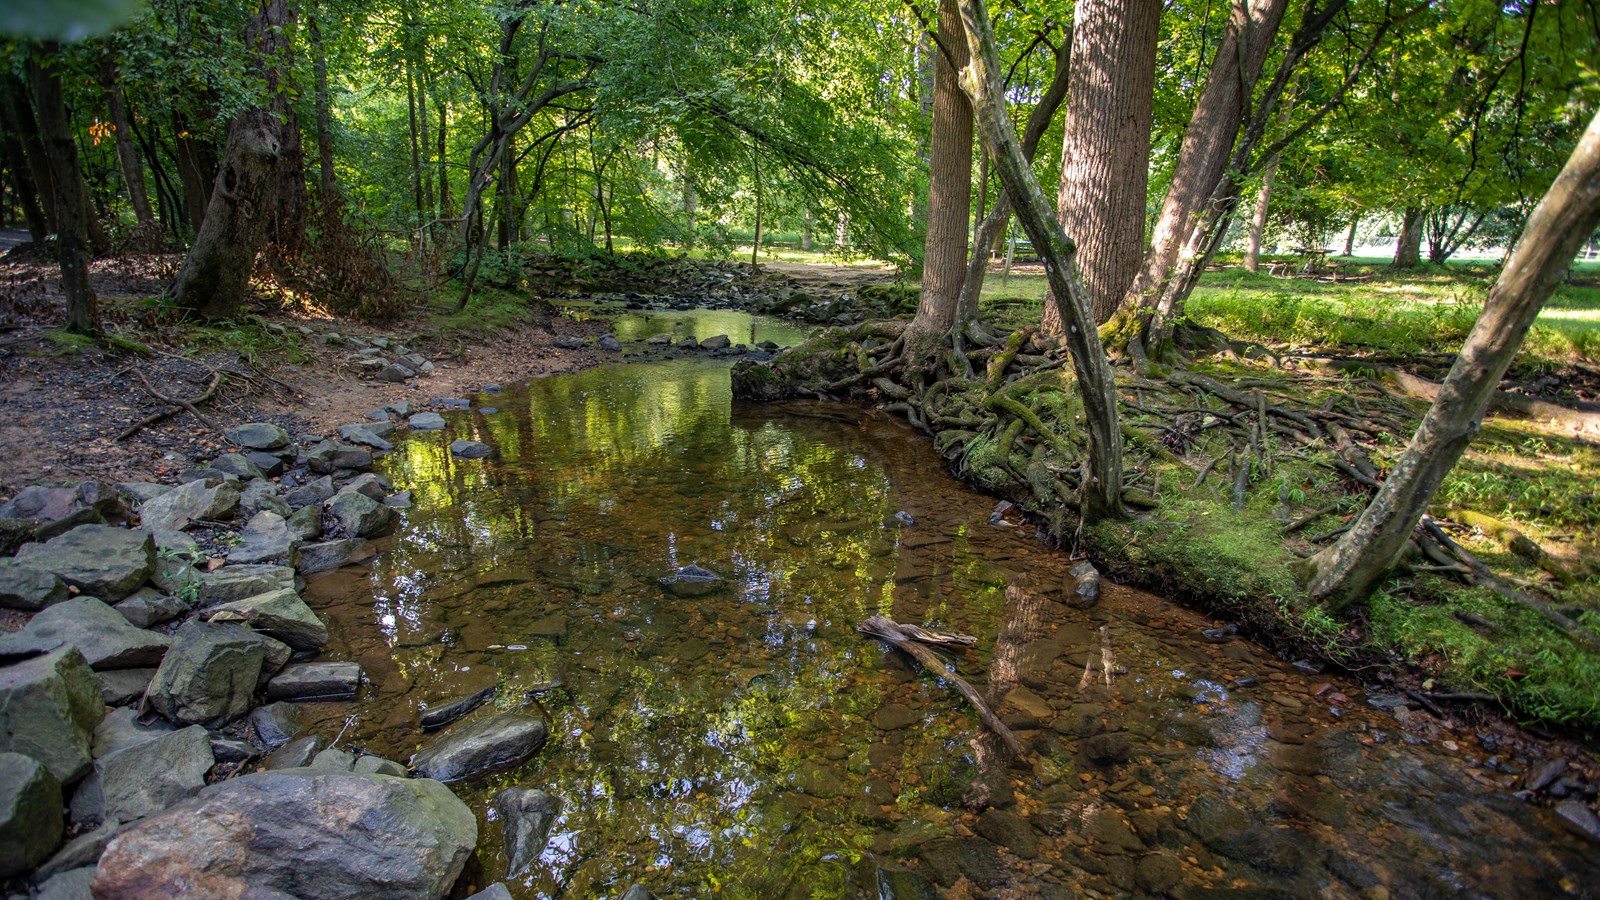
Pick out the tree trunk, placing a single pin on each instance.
(19, 121)
(288, 227)
(23, 182)
(1102, 484)
(127, 154)
(1258, 219)
(216, 274)
(755, 245)
(944, 258)
(326, 179)
(1207, 142)
(197, 170)
(444, 174)
(1105, 148)
(1350, 236)
(72, 207)
(806, 242)
(1408, 249)
(1348, 571)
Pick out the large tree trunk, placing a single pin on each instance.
(1207, 143)
(1408, 249)
(19, 121)
(24, 183)
(1105, 147)
(1348, 571)
(1258, 219)
(215, 277)
(1102, 484)
(72, 207)
(127, 154)
(944, 258)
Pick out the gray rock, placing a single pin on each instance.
(330, 555)
(150, 776)
(496, 891)
(142, 491)
(236, 582)
(41, 502)
(396, 373)
(311, 492)
(49, 706)
(488, 745)
(266, 539)
(72, 884)
(259, 436)
(471, 449)
(330, 456)
(100, 633)
(401, 408)
(83, 850)
(333, 760)
(425, 421)
(30, 813)
(262, 494)
(237, 464)
(179, 508)
(367, 484)
(282, 615)
(719, 342)
(526, 817)
(270, 465)
(121, 729)
(1009, 830)
(1579, 819)
(228, 750)
(363, 433)
(398, 500)
(211, 672)
(300, 833)
(306, 522)
(276, 723)
(101, 560)
(377, 765)
(147, 606)
(569, 343)
(692, 581)
(359, 515)
(296, 754)
(638, 892)
(121, 687)
(27, 588)
(314, 680)
(450, 402)
(610, 344)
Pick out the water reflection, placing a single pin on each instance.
(751, 743)
(740, 327)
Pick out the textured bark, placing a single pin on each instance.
(1258, 219)
(1102, 486)
(327, 181)
(1350, 235)
(215, 277)
(944, 258)
(127, 154)
(19, 121)
(72, 206)
(197, 172)
(444, 175)
(23, 182)
(1408, 249)
(1207, 142)
(1352, 568)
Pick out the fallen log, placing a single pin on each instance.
(911, 640)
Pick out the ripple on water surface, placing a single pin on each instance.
(750, 742)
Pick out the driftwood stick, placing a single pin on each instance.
(905, 637)
(175, 406)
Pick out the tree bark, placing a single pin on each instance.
(1105, 148)
(444, 174)
(1408, 249)
(1207, 142)
(72, 207)
(19, 121)
(24, 184)
(197, 171)
(944, 258)
(127, 154)
(1102, 486)
(327, 180)
(1348, 571)
(1258, 218)
(215, 277)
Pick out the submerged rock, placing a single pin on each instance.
(436, 717)
(526, 816)
(486, 746)
(471, 449)
(297, 832)
(692, 581)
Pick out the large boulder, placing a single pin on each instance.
(49, 707)
(486, 746)
(330, 456)
(179, 508)
(266, 539)
(360, 515)
(101, 560)
(30, 813)
(29, 589)
(280, 614)
(211, 673)
(101, 634)
(145, 776)
(297, 832)
(526, 816)
(259, 436)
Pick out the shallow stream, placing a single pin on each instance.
(751, 743)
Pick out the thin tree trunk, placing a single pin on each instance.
(444, 175)
(197, 171)
(1350, 236)
(127, 154)
(23, 183)
(288, 227)
(326, 178)
(216, 274)
(805, 231)
(1258, 219)
(944, 259)
(1352, 568)
(415, 142)
(755, 246)
(1105, 152)
(19, 121)
(1408, 248)
(72, 207)
(1102, 486)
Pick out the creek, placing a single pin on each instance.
(751, 743)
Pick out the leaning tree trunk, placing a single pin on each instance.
(1408, 249)
(1102, 485)
(1258, 219)
(944, 258)
(127, 154)
(215, 277)
(1348, 571)
(72, 207)
(1105, 147)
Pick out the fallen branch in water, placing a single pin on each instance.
(910, 639)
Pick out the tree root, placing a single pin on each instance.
(176, 405)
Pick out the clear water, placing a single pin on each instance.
(740, 327)
(752, 744)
